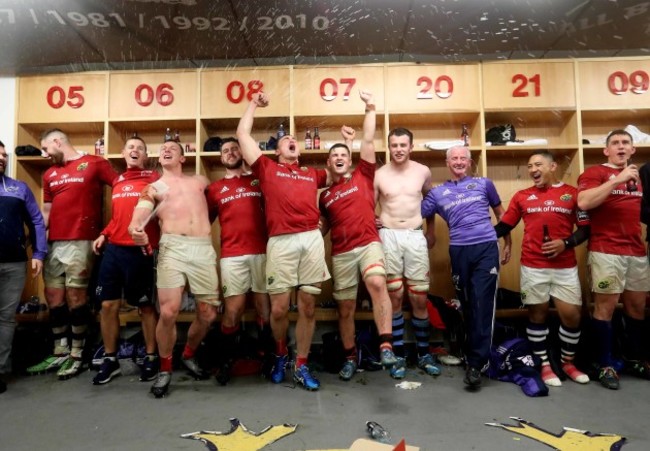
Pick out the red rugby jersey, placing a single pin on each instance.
(349, 206)
(238, 204)
(75, 191)
(557, 208)
(616, 223)
(290, 195)
(126, 192)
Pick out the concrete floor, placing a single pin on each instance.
(40, 412)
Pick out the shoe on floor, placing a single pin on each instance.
(3, 386)
(50, 363)
(223, 374)
(428, 364)
(70, 368)
(608, 378)
(109, 369)
(574, 373)
(398, 371)
(161, 386)
(472, 377)
(277, 372)
(193, 367)
(348, 370)
(549, 377)
(149, 369)
(639, 368)
(303, 376)
(388, 357)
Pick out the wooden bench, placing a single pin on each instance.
(322, 314)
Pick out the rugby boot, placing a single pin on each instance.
(161, 386)
(348, 370)
(193, 367)
(70, 368)
(277, 372)
(398, 371)
(50, 363)
(428, 363)
(303, 376)
(388, 357)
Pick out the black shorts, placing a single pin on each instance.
(125, 269)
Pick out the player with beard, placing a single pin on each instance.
(237, 201)
(72, 209)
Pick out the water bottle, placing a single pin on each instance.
(377, 432)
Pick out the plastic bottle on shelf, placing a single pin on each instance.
(177, 136)
(316, 142)
(168, 135)
(308, 140)
(281, 131)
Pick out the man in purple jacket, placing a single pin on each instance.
(17, 208)
(464, 203)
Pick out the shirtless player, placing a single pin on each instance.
(399, 188)
(185, 255)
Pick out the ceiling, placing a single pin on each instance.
(54, 36)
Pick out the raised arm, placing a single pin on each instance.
(348, 134)
(249, 148)
(369, 126)
(593, 197)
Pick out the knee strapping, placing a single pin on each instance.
(394, 283)
(310, 289)
(346, 293)
(418, 286)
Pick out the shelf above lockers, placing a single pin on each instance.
(329, 129)
(559, 128)
(596, 124)
(263, 129)
(152, 131)
(445, 126)
(82, 135)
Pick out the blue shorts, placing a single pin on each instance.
(125, 269)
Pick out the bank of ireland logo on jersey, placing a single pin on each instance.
(471, 186)
(82, 166)
(127, 188)
(241, 190)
